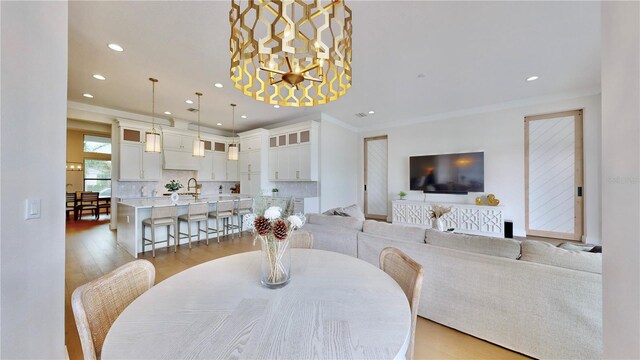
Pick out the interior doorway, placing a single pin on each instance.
(554, 175)
(375, 178)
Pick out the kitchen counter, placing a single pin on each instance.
(140, 203)
(131, 213)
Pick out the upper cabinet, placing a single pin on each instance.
(293, 152)
(135, 163)
(213, 167)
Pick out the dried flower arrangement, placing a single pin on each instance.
(437, 211)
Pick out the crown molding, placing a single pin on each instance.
(485, 109)
(331, 119)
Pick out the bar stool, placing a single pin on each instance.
(245, 206)
(224, 211)
(161, 216)
(198, 212)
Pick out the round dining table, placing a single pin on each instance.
(334, 307)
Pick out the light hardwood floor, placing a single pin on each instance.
(92, 251)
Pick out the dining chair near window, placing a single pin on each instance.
(301, 239)
(408, 274)
(197, 213)
(97, 304)
(104, 203)
(71, 204)
(87, 201)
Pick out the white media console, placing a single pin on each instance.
(464, 218)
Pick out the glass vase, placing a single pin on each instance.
(275, 262)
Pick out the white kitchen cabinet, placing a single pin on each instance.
(220, 166)
(232, 170)
(178, 141)
(205, 172)
(250, 184)
(135, 163)
(293, 153)
(250, 161)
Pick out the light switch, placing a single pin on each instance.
(33, 209)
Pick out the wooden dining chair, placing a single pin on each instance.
(301, 239)
(408, 274)
(71, 204)
(98, 303)
(87, 201)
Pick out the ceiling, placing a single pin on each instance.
(410, 59)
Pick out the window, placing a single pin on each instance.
(97, 144)
(97, 176)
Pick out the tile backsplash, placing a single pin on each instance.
(128, 189)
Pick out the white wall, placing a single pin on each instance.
(621, 178)
(33, 131)
(500, 134)
(338, 164)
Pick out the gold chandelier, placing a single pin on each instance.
(291, 52)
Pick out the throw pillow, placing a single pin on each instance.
(545, 253)
(353, 211)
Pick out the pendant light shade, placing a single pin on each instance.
(198, 144)
(233, 151)
(152, 138)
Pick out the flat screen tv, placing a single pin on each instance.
(447, 173)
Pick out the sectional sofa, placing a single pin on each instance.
(530, 296)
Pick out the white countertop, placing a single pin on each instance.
(183, 201)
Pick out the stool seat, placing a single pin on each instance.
(159, 221)
(199, 217)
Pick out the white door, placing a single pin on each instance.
(375, 178)
(553, 175)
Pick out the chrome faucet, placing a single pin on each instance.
(196, 187)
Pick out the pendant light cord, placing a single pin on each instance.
(199, 94)
(153, 104)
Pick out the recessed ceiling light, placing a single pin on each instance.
(116, 47)
(167, 112)
(219, 124)
(371, 112)
(99, 77)
(244, 116)
(532, 78)
(218, 85)
(276, 106)
(189, 101)
(87, 95)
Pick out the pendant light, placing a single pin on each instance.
(198, 144)
(233, 147)
(152, 139)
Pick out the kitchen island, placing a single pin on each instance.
(131, 213)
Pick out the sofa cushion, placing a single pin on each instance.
(546, 253)
(507, 248)
(394, 231)
(342, 221)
